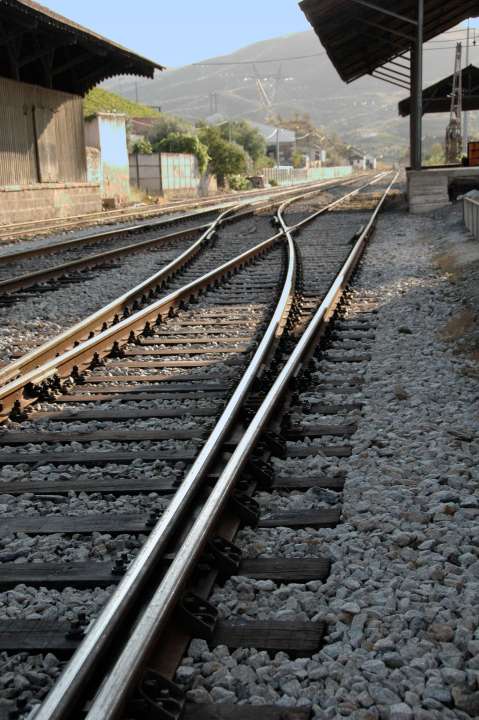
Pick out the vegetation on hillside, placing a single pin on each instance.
(100, 100)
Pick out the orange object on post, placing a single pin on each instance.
(473, 154)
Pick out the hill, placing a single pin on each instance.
(100, 100)
(363, 113)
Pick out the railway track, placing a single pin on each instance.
(20, 269)
(164, 413)
(110, 278)
(18, 231)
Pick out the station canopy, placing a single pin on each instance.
(362, 37)
(40, 47)
(437, 98)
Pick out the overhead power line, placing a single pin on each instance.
(256, 62)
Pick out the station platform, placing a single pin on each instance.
(435, 187)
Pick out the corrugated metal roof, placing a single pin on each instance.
(59, 53)
(437, 97)
(360, 37)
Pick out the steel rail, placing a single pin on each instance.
(59, 343)
(85, 658)
(216, 203)
(66, 693)
(112, 694)
(82, 354)
(21, 282)
(97, 237)
(37, 373)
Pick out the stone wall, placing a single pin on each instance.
(48, 200)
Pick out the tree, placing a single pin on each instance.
(226, 158)
(142, 147)
(264, 161)
(243, 133)
(167, 125)
(178, 143)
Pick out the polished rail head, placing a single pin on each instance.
(67, 690)
(111, 698)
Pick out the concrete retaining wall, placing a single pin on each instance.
(48, 200)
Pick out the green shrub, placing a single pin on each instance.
(142, 147)
(178, 143)
(239, 182)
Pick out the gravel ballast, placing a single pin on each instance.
(401, 603)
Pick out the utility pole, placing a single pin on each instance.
(454, 129)
(416, 94)
(277, 147)
(466, 116)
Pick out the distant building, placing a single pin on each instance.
(362, 161)
(47, 63)
(279, 141)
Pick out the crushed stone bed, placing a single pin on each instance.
(401, 603)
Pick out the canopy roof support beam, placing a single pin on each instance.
(379, 8)
(385, 78)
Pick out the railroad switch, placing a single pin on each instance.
(156, 698)
(198, 615)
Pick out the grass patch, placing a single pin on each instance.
(100, 100)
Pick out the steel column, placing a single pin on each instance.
(416, 95)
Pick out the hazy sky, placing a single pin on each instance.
(184, 31)
(179, 32)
